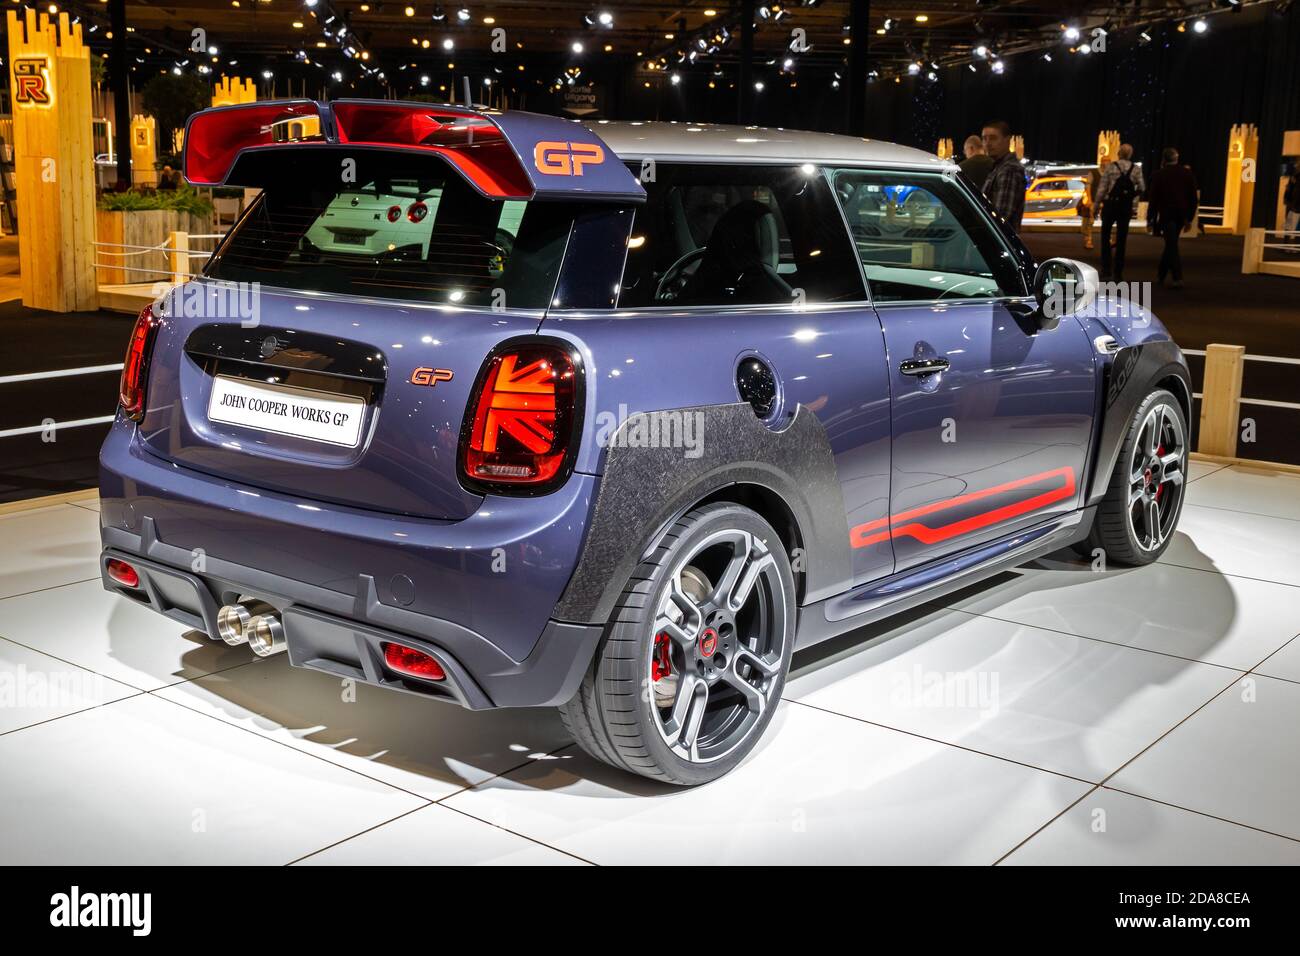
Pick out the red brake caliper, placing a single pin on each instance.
(1160, 487)
(661, 664)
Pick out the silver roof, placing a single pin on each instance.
(709, 141)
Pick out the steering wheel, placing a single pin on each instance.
(674, 280)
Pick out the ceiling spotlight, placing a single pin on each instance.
(1200, 26)
(1144, 38)
(981, 51)
(997, 66)
(449, 44)
(606, 18)
(1072, 33)
(922, 18)
(758, 85)
(913, 69)
(1085, 48)
(438, 15)
(676, 79)
(463, 14)
(267, 74)
(1047, 57)
(409, 11)
(576, 47)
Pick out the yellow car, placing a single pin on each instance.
(1053, 196)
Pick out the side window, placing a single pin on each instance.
(921, 239)
(738, 235)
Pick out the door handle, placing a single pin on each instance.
(923, 366)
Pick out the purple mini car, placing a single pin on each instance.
(511, 411)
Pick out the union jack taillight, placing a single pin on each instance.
(520, 434)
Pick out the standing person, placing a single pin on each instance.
(977, 163)
(1171, 205)
(1291, 200)
(1087, 208)
(1121, 184)
(1005, 185)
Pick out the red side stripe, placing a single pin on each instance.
(862, 536)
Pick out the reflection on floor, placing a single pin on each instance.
(1057, 714)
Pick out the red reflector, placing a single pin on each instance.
(412, 663)
(136, 364)
(523, 418)
(122, 573)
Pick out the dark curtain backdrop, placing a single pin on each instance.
(1182, 90)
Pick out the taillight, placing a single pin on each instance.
(417, 212)
(521, 430)
(412, 663)
(394, 213)
(136, 365)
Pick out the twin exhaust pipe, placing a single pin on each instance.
(254, 623)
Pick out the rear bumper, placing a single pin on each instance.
(479, 675)
(477, 593)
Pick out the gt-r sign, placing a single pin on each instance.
(31, 84)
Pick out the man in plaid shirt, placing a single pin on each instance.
(1005, 186)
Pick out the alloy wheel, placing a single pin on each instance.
(718, 648)
(1157, 476)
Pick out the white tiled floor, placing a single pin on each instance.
(1056, 714)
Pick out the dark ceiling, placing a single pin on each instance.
(536, 38)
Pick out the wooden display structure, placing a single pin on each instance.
(144, 150)
(1238, 194)
(49, 83)
(944, 150)
(231, 90)
(1107, 146)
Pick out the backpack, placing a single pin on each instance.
(1123, 193)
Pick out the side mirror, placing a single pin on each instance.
(1063, 287)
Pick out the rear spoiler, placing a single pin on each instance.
(511, 155)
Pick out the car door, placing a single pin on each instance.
(809, 319)
(992, 415)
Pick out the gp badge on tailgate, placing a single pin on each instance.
(430, 376)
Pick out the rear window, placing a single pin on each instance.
(400, 227)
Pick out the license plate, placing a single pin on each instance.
(284, 410)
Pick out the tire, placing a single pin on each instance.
(1125, 516)
(665, 694)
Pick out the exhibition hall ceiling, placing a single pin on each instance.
(361, 40)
